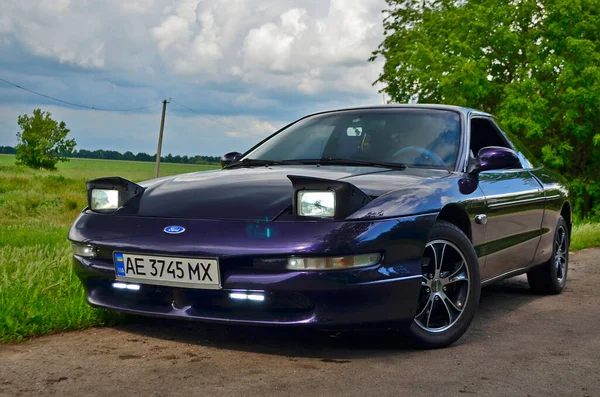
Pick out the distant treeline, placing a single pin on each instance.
(114, 155)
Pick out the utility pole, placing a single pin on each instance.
(160, 136)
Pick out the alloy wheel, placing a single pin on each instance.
(444, 286)
(560, 255)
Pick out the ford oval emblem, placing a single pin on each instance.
(174, 229)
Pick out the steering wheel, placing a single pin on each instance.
(422, 156)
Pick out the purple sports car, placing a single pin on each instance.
(393, 215)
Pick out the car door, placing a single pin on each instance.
(514, 208)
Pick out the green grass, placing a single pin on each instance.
(85, 169)
(39, 293)
(585, 235)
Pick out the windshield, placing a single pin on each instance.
(414, 137)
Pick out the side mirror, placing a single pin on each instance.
(229, 158)
(496, 158)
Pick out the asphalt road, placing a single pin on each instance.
(519, 344)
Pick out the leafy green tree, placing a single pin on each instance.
(533, 63)
(42, 141)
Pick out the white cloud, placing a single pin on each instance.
(211, 41)
(349, 33)
(189, 41)
(171, 32)
(271, 45)
(321, 53)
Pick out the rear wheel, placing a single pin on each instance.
(551, 277)
(450, 288)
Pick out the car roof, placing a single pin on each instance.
(454, 108)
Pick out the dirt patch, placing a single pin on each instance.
(519, 344)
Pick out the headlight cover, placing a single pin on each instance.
(333, 263)
(104, 200)
(316, 203)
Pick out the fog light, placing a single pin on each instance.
(85, 250)
(132, 287)
(333, 263)
(249, 296)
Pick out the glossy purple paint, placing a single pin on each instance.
(384, 292)
(243, 216)
(497, 158)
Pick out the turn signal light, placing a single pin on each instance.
(333, 263)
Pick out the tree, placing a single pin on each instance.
(533, 63)
(42, 140)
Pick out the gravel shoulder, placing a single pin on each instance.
(519, 344)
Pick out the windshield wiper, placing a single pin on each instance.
(367, 163)
(253, 163)
(321, 161)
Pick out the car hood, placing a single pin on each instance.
(260, 193)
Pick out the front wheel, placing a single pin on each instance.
(450, 288)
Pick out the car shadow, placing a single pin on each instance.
(329, 346)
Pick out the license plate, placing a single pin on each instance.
(168, 270)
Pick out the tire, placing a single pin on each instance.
(447, 301)
(550, 277)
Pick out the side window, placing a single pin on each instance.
(484, 133)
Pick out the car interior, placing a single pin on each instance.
(410, 139)
(484, 133)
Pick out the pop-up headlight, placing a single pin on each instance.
(104, 200)
(316, 203)
(324, 198)
(108, 195)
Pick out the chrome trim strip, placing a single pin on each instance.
(508, 274)
(553, 197)
(507, 195)
(515, 202)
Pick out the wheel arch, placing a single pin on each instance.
(455, 214)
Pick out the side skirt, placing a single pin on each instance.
(509, 274)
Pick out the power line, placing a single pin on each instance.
(214, 120)
(207, 117)
(77, 104)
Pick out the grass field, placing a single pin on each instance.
(585, 235)
(39, 292)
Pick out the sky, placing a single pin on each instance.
(245, 67)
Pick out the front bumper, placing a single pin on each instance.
(324, 299)
(383, 293)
